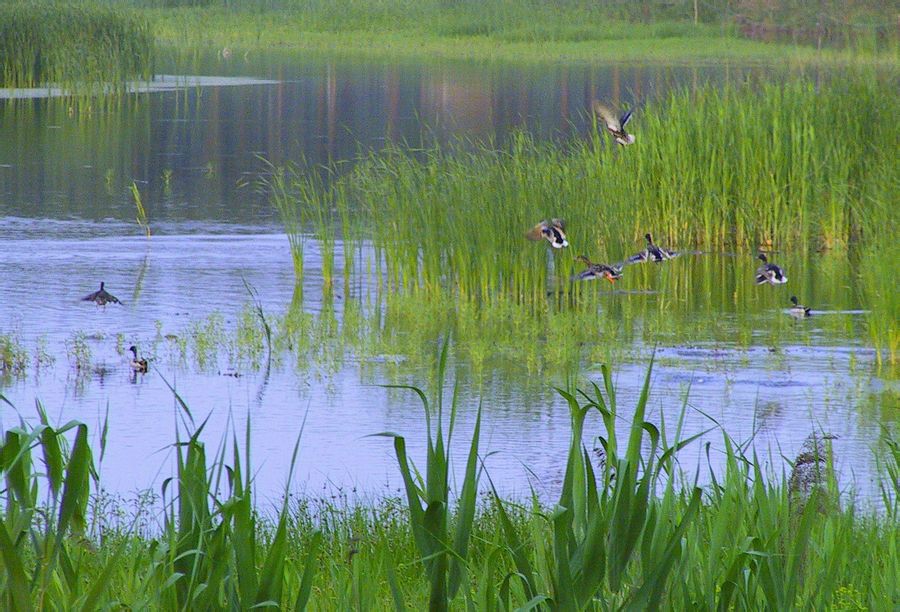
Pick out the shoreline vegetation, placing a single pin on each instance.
(500, 31)
(803, 166)
(631, 527)
(115, 41)
(84, 46)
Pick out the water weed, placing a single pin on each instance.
(630, 527)
(774, 167)
(82, 45)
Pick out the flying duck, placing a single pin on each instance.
(615, 125)
(101, 297)
(652, 253)
(552, 231)
(769, 272)
(597, 270)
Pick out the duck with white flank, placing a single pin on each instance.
(101, 297)
(553, 231)
(615, 124)
(799, 310)
(769, 272)
(138, 365)
(652, 253)
(597, 270)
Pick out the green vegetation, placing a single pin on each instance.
(629, 530)
(71, 44)
(509, 31)
(802, 167)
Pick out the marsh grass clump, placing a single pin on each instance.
(13, 354)
(803, 165)
(72, 44)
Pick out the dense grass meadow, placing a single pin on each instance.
(799, 167)
(631, 529)
(520, 31)
(72, 44)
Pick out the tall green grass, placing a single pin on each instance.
(868, 26)
(72, 43)
(801, 166)
(630, 529)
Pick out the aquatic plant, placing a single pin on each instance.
(80, 46)
(141, 218)
(630, 528)
(798, 165)
(13, 355)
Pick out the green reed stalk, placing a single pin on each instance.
(141, 218)
(443, 549)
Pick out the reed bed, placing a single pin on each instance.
(801, 167)
(72, 44)
(629, 529)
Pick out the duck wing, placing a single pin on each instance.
(605, 114)
(636, 258)
(625, 119)
(537, 232)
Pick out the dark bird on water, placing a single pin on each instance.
(769, 272)
(652, 253)
(101, 297)
(799, 310)
(553, 231)
(138, 365)
(597, 270)
(615, 124)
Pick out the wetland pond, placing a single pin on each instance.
(727, 352)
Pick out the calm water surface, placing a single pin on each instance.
(66, 222)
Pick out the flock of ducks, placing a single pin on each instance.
(553, 230)
(102, 297)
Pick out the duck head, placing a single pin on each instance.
(762, 258)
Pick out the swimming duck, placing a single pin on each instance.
(138, 365)
(552, 231)
(101, 297)
(798, 309)
(597, 270)
(652, 253)
(769, 272)
(615, 125)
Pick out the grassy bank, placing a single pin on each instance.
(630, 529)
(71, 44)
(501, 30)
(496, 31)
